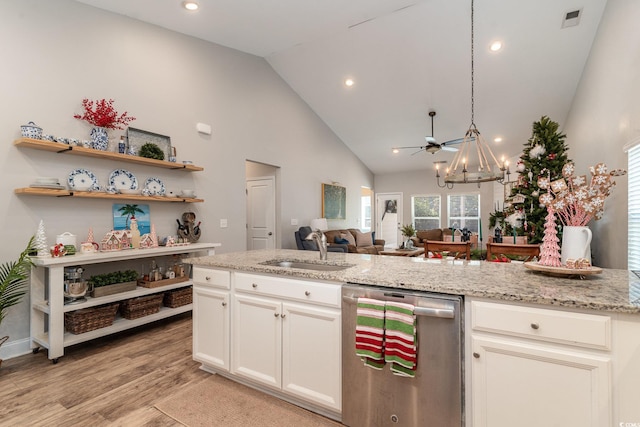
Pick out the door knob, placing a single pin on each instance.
(283, 315)
(535, 326)
(270, 234)
(276, 314)
(307, 293)
(224, 304)
(476, 355)
(255, 285)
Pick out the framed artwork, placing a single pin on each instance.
(136, 138)
(122, 213)
(334, 201)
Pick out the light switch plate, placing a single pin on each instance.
(294, 221)
(223, 223)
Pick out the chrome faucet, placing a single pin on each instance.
(321, 240)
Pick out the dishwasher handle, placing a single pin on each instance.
(445, 313)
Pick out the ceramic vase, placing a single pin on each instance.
(99, 138)
(576, 243)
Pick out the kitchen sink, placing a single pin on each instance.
(307, 265)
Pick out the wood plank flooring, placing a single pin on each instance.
(111, 381)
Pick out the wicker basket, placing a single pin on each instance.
(178, 297)
(88, 319)
(142, 306)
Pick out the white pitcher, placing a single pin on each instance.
(576, 243)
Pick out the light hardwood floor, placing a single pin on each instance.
(112, 381)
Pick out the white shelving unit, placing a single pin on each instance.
(47, 296)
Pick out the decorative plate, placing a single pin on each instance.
(123, 180)
(562, 271)
(155, 186)
(82, 179)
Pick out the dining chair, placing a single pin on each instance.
(527, 251)
(459, 248)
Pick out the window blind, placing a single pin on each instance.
(633, 167)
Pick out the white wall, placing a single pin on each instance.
(415, 183)
(57, 53)
(604, 116)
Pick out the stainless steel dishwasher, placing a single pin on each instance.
(434, 397)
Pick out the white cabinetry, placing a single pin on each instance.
(211, 289)
(47, 299)
(286, 334)
(538, 367)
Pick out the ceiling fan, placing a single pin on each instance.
(432, 145)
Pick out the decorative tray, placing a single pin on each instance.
(562, 271)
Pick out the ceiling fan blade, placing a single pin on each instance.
(404, 148)
(419, 151)
(443, 148)
(456, 141)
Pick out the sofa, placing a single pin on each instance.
(355, 240)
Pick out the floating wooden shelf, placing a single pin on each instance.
(100, 195)
(60, 148)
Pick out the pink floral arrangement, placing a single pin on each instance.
(574, 200)
(102, 114)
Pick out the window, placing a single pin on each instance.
(425, 212)
(464, 211)
(633, 252)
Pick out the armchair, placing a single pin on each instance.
(310, 245)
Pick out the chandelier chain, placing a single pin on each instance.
(472, 71)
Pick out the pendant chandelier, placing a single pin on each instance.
(474, 162)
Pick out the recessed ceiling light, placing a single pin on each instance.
(395, 150)
(497, 139)
(190, 5)
(349, 82)
(496, 46)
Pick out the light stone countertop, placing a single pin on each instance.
(613, 290)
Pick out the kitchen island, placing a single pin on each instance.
(540, 349)
(613, 290)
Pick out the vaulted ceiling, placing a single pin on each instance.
(406, 57)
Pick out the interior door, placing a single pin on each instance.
(389, 218)
(261, 214)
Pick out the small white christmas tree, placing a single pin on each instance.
(550, 251)
(90, 237)
(41, 241)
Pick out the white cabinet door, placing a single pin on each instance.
(517, 383)
(257, 340)
(311, 353)
(211, 327)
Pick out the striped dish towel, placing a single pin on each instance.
(370, 332)
(400, 338)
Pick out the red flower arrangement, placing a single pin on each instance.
(104, 115)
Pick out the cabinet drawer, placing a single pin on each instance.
(211, 277)
(297, 290)
(579, 329)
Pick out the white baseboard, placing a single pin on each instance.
(15, 348)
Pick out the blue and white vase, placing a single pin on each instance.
(99, 138)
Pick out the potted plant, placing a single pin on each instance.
(408, 231)
(102, 116)
(112, 283)
(14, 278)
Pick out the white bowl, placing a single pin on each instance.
(46, 180)
(188, 193)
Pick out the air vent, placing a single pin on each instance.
(571, 18)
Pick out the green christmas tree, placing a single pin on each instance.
(544, 155)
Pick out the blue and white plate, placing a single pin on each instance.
(155, 186)
(82, 180)
(123, 180)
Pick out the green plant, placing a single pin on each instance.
(107, 279)
(14, 277)
(408, 230)
(151, 151)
